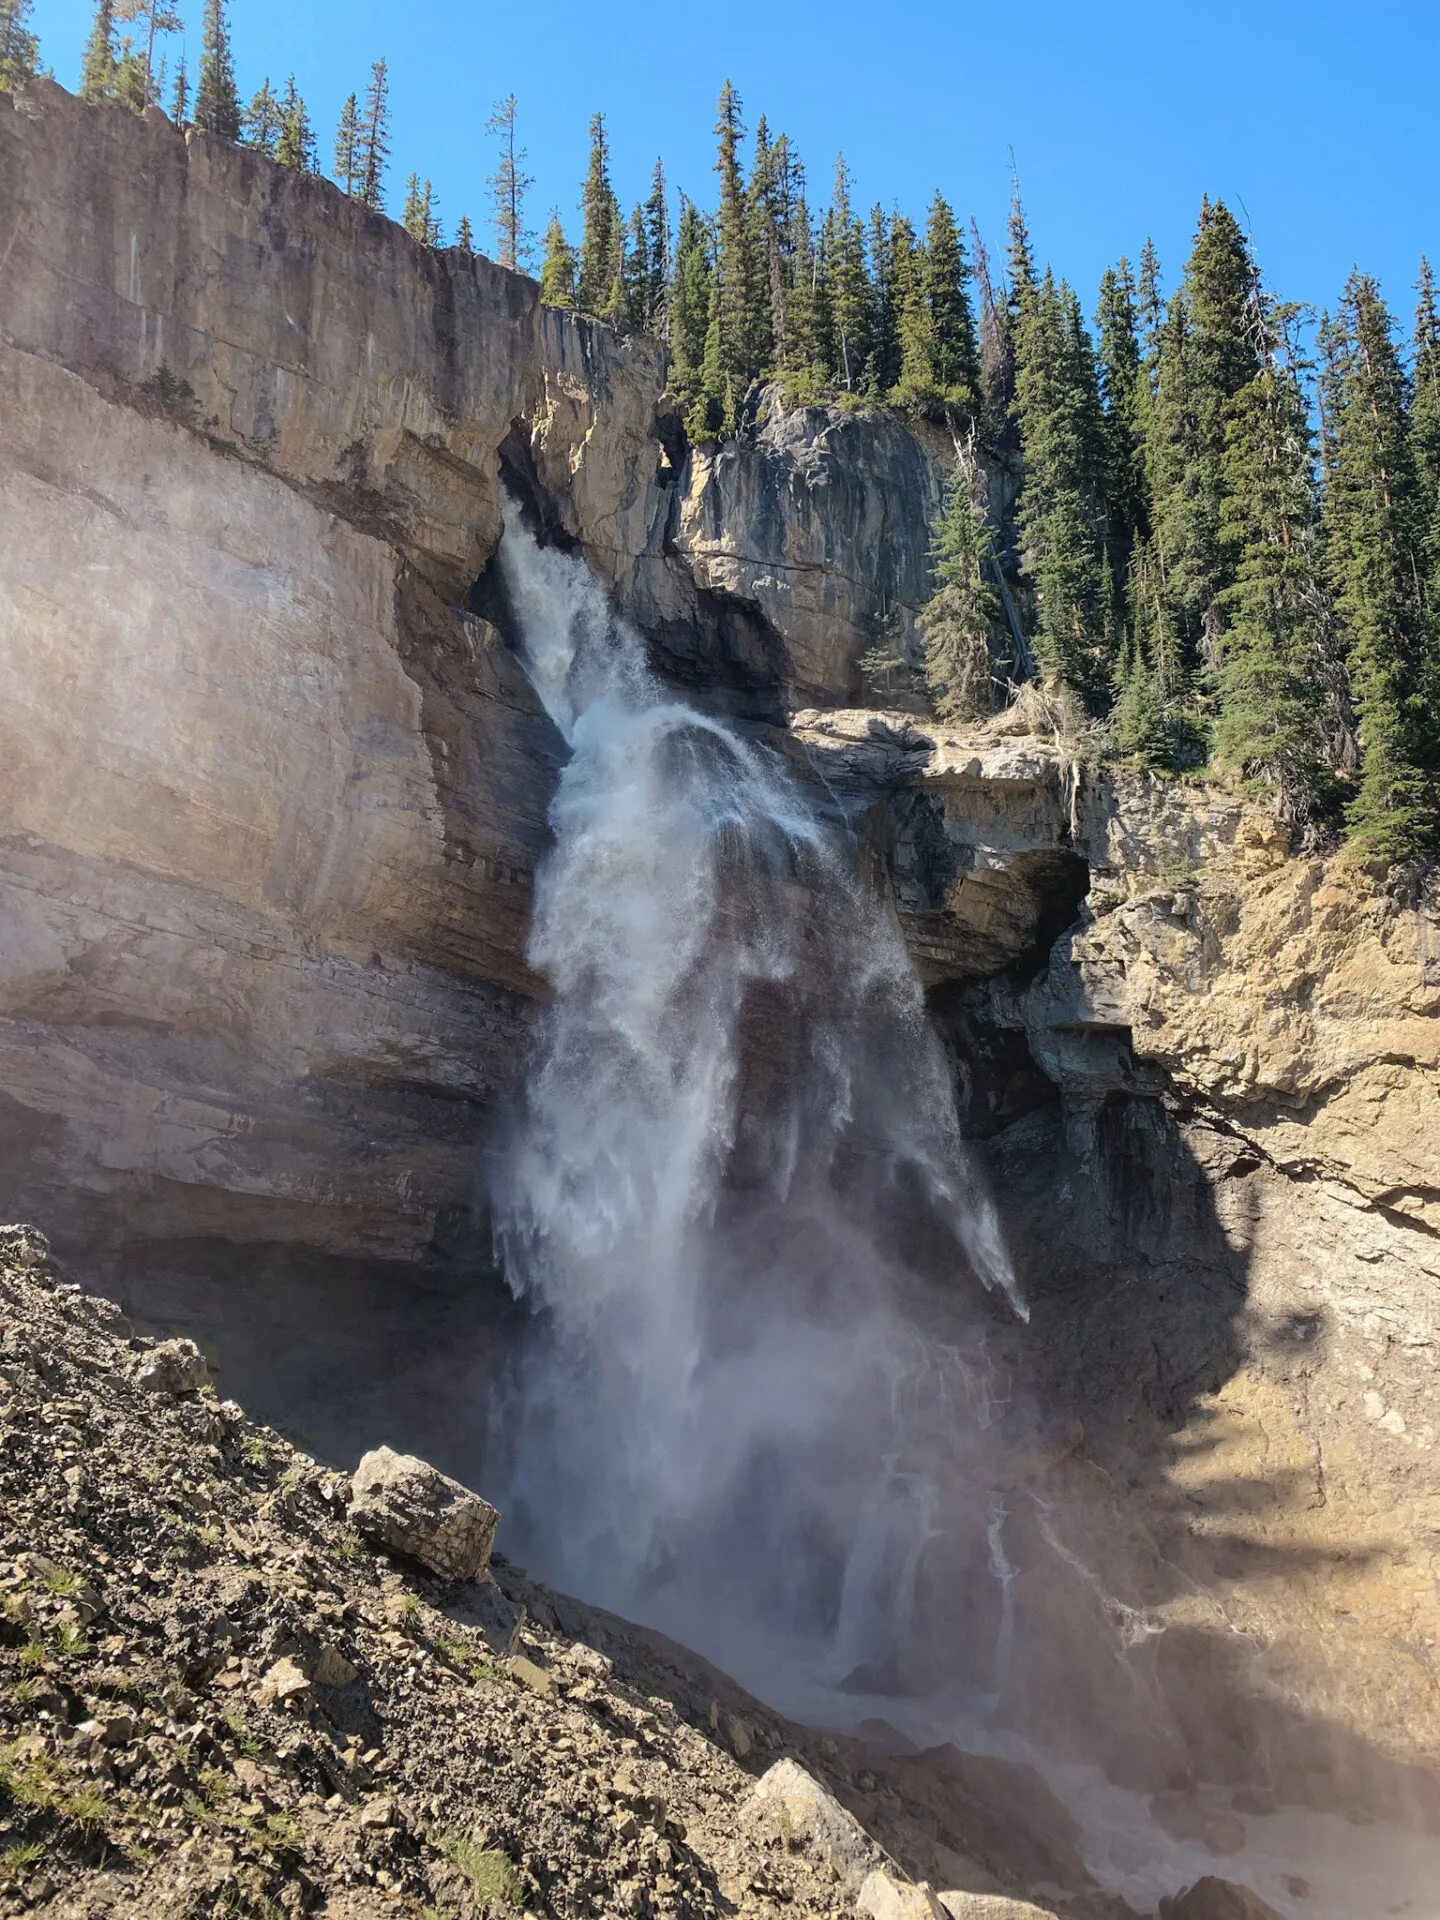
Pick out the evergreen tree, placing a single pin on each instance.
(217, 103)
(557, 272)
(735, 355)
(1425, 424)
(690, 316)
(1275, 660)
(372, 149)
(882, 368)
(1061, 508)
(1139, 725)
(636, 271)
(1149, 306)
(1123, 393)
(805, 321)
(296, 146)
(954, 355)
(97, 70)
(421, 216)
(508, 185)
(180, 99)
(263, 121)
(19, 47)
(770, 211)
(158, 19)
(465, 242)
(914, 382)
(959, 622)
(1206, 353)
(997, 354)
(600, 237)
(656, 215)
(1375, 532)
(347, 167)
(847, 284)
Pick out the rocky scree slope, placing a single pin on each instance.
(218, 1695)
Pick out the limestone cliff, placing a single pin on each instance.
(272, 794)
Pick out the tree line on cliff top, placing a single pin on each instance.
(1225, 548)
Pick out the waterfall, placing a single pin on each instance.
(734, 1192)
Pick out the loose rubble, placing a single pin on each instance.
(218, 1697)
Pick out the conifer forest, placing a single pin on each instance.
(1203, 518)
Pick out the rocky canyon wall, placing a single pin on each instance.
(272, 793)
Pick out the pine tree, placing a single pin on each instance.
(806, 324)
(465, 242)
(914, 383)
(420, 218)
(656, 214)
(1061, 507)
(217, 103)
(1425, 424)
(1375, 532)
(97, 71)
(690, 288)
(635, 271)
(848, 284)
(959, 622)
(1149, 306)
(508, 186)
(180, 99)
(557, 271)
(600, 235)
(736, 355)
(296, 147)
(19, 47)
(1206, 354)
(1275, 658)
(159, 19)
(954, 354)
(263, 121)
(997, 354)
(347, 167)
(373, 141)
(1123, 394)
(770, 188)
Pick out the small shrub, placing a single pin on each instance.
(491, 1874)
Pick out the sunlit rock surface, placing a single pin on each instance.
(272, 794)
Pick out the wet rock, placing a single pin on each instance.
(410, 1507)
(174, 1368)
(1212, 1899)
(1188, 1817)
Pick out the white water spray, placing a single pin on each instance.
(740, 1403)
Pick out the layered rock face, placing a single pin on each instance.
(1209, 1109)
(272, 794)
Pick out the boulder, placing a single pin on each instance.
(411, 1508)
(991, 1906)
(173, 1369)
(789, 1798)
(884, 1897)
(1212, 1899)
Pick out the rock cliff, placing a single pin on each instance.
(272, 794)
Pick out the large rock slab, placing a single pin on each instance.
(409, 1506)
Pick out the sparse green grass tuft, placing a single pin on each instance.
(491, 1873)
(64, 1583)
(70, 1642)
(21, 1855)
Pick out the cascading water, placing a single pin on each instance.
(740, 1412)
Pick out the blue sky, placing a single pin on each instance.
(1317, 122)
